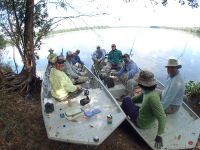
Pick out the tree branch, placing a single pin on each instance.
(18, 24)
(72, 17)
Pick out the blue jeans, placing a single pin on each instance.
(130, 109)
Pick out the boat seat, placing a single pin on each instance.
(118, 90)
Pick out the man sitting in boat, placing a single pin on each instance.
(127, 72)
(173, 93)
(75, 75)
(98, 58)
(151, 108)
(114, 58)
(51, 56)
(61, 85)
(76, 59)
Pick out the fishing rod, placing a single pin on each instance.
(181, 55)
(133, 44)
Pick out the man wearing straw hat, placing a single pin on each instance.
(172, 95)
(151, 108)
(51, 56)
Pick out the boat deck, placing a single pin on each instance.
(182, 128)
(81, 129)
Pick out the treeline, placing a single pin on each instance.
(78, 29)
(193, 30)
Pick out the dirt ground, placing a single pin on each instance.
(22, 127)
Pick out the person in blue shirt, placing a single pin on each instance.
(98, 57)
(127, 72)
(173, 93)
(76, 58)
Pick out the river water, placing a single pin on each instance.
(151, 48)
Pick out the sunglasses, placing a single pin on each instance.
(62, 62)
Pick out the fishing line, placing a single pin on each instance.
(183, 52)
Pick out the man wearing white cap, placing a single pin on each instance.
(172, 95)
(98, 58)
(76, 76)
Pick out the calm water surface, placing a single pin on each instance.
(151, 48)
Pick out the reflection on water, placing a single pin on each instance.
(151, 49)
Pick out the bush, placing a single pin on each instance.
(2, 42)
(193, 91)
(5, 68)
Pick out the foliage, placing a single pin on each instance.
(193, 89)
(2, 42)
(191, 3)
(16, 23)
(12, 22)
(5, 67)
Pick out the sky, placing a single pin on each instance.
(137, 13)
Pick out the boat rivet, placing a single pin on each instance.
(96, 138)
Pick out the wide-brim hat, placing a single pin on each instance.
(145, 78)
(173, 63)
(51, 50)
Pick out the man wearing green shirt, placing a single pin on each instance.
(114, 58)
(61, 85)
(151, 108)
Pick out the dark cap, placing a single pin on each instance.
(126, 55)
(113, 45)
(60, 59)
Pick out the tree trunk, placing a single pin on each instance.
(29, 63)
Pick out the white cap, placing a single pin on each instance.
(69, 53)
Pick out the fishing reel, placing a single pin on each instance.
(86, 100)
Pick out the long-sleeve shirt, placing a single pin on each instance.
(70, 70)
(115, 57)
(130, 69)
(99, 55)
(61, 85)
(150, 110)
(173, 92)
(76, 59)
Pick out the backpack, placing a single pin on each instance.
(109, 82)
(49, 107)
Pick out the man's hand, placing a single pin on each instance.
(158, 142)
(112, 74)
(78, 87)
(125, 77)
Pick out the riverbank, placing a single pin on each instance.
(22, 127)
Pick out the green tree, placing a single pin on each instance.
(25, 23)
(2, 42)
(191, 3)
